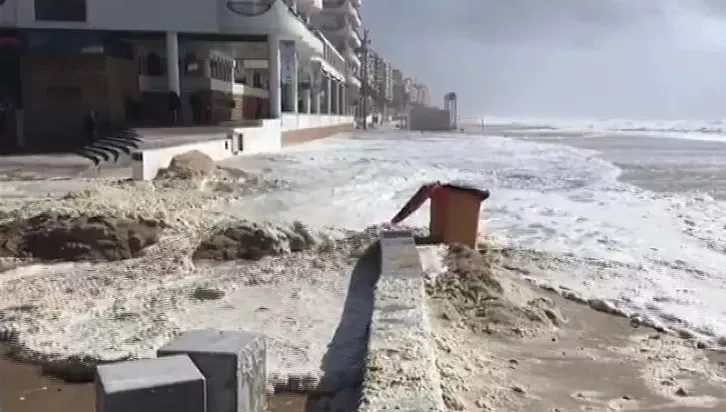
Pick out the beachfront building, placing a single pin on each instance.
(384, 85)
(417, 92)
(165, 63)
(340, 21)
(400, 97)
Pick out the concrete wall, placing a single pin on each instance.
(267, 138)
(261, 139)
(428, 118)
(292, 121)
(401, 372)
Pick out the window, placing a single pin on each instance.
(153, 65)
(192, 65)
(61, 10)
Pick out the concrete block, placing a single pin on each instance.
(150, 385)
(233, 363)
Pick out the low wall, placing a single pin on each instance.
(300, 121)
(429, 118)
(267, 138)
(292, 137)
(271, 136)
(401, 372)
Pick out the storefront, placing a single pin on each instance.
(69, 73)
(11, 48)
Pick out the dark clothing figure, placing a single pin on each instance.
(3, 118)
(129, 110)
(197, 106)
(174, 107)
(208, 114)
(91, 127)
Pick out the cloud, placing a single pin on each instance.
(627, 58)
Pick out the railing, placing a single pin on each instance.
(250, 7)
(331, 54)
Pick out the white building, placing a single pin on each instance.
(128, 58)
(340, 21)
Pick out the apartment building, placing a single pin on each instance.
(340, 21)
(418, 93)
(131, 60)
(400, 96)
(384, 80)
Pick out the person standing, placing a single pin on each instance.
(174, 108)
(91, 127)
(195, 101)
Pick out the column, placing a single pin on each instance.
(306, 99)
(295, 87)
(316, 99)
(343, 101)
(274, 87)
(328, 88)
(172, 62)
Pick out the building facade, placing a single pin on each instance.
(137, 61)
(340, 21)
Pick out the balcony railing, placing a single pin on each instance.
(331, 54)
(250, 7)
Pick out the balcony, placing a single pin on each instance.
(341, 7)
(333, 62)
(353, 80)
(310, 6)
(352, 57)
(269, 17)
(341, 27)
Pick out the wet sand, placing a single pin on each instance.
(588, 361)
(23, 388)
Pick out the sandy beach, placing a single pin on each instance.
(498, 351)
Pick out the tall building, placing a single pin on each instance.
(400, 96)
(384, 81)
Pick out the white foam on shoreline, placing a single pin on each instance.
(656, 254)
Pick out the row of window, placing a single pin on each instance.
(153, 64)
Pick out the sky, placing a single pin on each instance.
(658, 59)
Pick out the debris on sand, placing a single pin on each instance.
(491, 304)
(253, 241)
(56, 236)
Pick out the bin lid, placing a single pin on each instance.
(472, 188)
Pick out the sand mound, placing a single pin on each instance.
(187, 166)
(253, 241)
(196, 170)
(488, 303)
(55, 236)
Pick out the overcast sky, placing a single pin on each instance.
(606, 58)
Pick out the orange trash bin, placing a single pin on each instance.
(455, 211)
